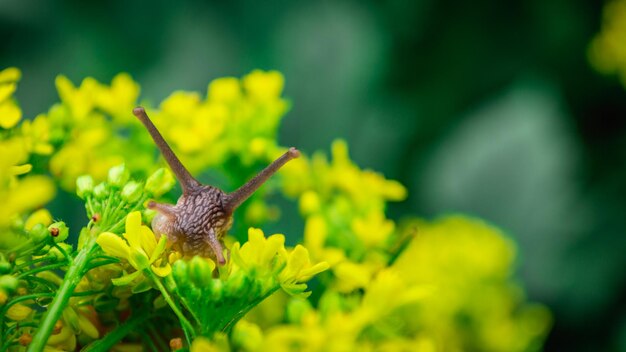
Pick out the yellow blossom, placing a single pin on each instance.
(373, 229)
(259, 252)
(9, 75)
(36, 135)
(10, 113)
(120, 98)
(299, 269)
(18, 196)
(226, 89)
(138, 246)
(264, 85)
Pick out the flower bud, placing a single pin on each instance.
(84, 186)
(160, 182)
(39, 233)
(237, 282)
(201, 271)
(54, 251)
(58, 231)
(247, 336)
(100, 191)
(118, 175)
(296, 309)
(87, 327)
(25, 339)
(18, 312)
(5, 267)
(179, 271)
(216, 290)
(132, 192)
(71, 318)
(176, 344)
(8, 283)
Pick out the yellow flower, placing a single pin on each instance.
(351, 276)
(11, 74)
(226, 89)
(79, 100)
(120, 98)
(299, 267)
(18, 196)
(10, 113)
(268, 257)
(138, 246)
(260, 252)
(36, 135)
(264, 85)
(373, 229)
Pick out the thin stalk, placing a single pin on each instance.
(109, 340)
(33, 262)
(19, 299)
(186, 325)
(158, 338)
(41, 268)
(73, 276)
(120, 222)
(65, 255)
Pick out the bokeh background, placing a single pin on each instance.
(489, 108)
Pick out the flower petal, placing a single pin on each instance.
(133, 229)
(162, 271)
(158, 249)
(114, 245)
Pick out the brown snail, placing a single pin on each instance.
(203, 214)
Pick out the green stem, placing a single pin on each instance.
(186, 325)
(30, 263)
(120, 222)
(39, 269)
(19, 299)
(109, 340)
(73, 276)
(63, 252)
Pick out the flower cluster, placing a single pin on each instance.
(344, 211)
(17, 143)
(255, 270)
(450, 289)
(113, 284)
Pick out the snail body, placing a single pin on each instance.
(203, 214)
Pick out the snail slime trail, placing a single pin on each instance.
(203, 214)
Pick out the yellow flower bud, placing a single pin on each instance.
(18, 312)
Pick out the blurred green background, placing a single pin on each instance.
(486, 107)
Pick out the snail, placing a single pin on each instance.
(203, 214)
